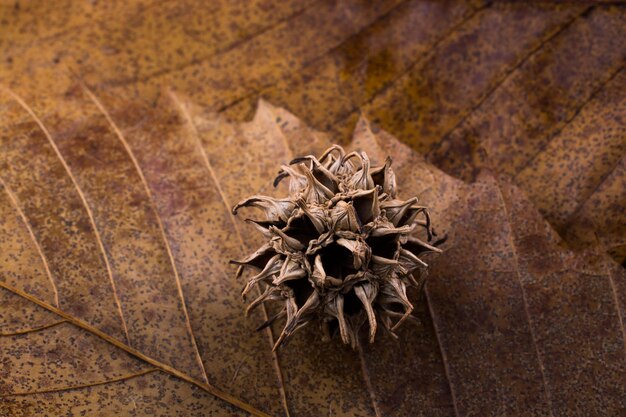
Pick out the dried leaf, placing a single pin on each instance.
(147, 190)
(116, 294)
(518, 318)
(467, 83)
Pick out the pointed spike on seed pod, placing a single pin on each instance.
(338, 201)
(331, 163)
(418, 242)
(361, 252)
(351, 155)
(299, 325)
(336, 163)
(281, 176)
(366, 204)
(239, 271)
(314, 163)
(400, 289)
(291, 308)
(291, 243)
(406, 315)
(386, 319)
(410, 261)
(385, 177)
(344, 217)
(362, 180)
(302, 159)
(389, 295)
(282, 313)
(366, 295)
(273, 266)
(411, 214)
(319, 274)
(381, 169)
(347, 168)
(429, 230)
(383, 266)
(316, 214)
(395, 210)
(411, 318)
(290, 271)
(260, 227)
(392, 315)
(274, 209)
(309, 306)
(315, 191)
(257, 301)
(291, 172)
(384, 231)
(258, 259)
(343, 325)
(297, 181)
(376, 202)
(397, 289)
(335, 148)
(316, 167)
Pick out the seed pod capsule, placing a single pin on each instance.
(341, 248)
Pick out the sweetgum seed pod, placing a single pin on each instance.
(341, 248)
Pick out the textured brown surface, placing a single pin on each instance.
(501, 326)
(116, 179)
(471, 84)
(576, 179)
(555, 123)
(546, 299)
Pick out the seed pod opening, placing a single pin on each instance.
(341, 249)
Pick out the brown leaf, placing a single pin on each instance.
(557, 128)
(467, 83)
(116, 294)
(525, 327)
(146, 292)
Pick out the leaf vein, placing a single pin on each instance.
(24, 220)
(83, 199)
(33, 329)
(524, 299)
(491, 90)
(168, 249)
(132, 351)
(77, 387)
(228, 206)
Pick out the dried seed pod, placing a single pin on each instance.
(341, 248)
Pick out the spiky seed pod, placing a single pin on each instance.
(341, 248)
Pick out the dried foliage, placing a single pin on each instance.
(118, 178)
(468, 84)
